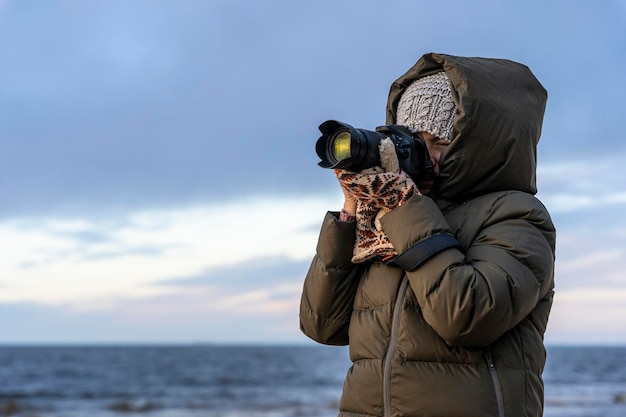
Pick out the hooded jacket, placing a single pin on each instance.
(459, 332)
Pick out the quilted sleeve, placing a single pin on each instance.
(330, 284)
(473, 296)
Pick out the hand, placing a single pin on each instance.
(349, 202)
(375, 188)
(371, 194)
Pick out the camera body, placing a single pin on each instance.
(342, 146)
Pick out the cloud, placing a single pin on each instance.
(590, 254)
(592, 260)
(589, 314)
(266, 270)
(84, 260)
(583, 184)
(105, 110)
(240, 263)
(249, 302)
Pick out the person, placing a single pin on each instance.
(443, 290)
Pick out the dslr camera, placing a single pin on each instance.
(342, 146)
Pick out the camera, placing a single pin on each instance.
(342, 146)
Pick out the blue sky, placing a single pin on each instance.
(158, 180)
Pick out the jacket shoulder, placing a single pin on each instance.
(469, 219)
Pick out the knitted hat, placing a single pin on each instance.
(427, 106)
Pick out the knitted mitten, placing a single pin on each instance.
(377, 191)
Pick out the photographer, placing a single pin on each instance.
(442, 289)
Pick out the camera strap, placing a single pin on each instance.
(423, 250)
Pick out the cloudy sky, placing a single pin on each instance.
(158, 180)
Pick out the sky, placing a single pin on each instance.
(158, 179)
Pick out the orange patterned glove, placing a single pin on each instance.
(376, 188)
(377, 191)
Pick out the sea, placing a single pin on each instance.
(250, 381)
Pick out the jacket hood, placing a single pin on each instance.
(500, 107)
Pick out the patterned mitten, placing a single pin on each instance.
(377, 191)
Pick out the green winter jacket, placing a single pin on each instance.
(460, 333)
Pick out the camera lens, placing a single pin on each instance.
(343, 147)
(340, 146)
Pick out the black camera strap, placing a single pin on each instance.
(423, 250)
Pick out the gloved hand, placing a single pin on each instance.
(376, 188)
(377, 191)
(382, 187)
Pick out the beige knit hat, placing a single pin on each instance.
(427, 106)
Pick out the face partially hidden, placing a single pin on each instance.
(435, 146)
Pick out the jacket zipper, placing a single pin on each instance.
(391, 350)
(496, 384)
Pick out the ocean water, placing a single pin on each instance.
(251, 381)
(585, 382)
